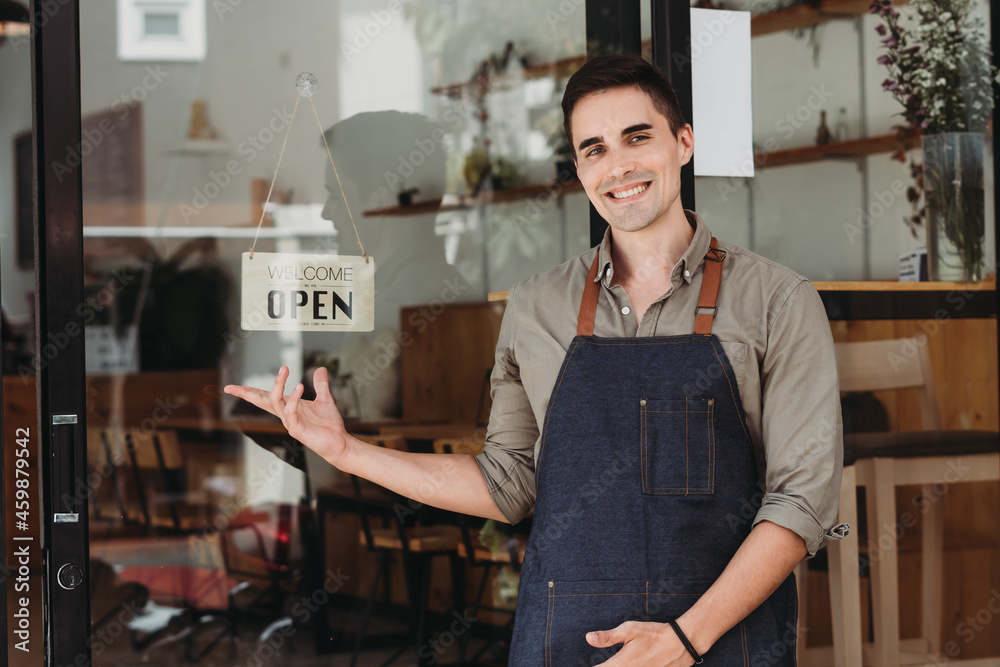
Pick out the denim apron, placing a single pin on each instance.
(644, 467)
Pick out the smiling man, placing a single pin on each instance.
(665, 404)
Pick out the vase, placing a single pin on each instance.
(955, 197)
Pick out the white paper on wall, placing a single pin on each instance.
(298, 292)
(721, 101)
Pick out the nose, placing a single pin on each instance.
(330, 209)
(621, 164)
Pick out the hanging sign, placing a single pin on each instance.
(295, 292)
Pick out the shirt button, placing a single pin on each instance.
(687, 274)
(607, 272)
(626, 310)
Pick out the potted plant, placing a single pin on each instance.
(940, 72)
(565, 167)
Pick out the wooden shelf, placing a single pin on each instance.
(557, 69)
(803, 16)
(852, 148)
(175, 232)
(417, 208)
(201, 147)
(844, 149)
(490, 197)
(987, 285)
(800, 16)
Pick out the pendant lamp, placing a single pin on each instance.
(14, 20)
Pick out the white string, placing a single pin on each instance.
(267, 201)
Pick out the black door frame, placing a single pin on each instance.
(59, 340)
(614, 27)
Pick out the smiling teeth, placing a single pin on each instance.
(629, 193)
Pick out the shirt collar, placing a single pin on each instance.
(685, 269)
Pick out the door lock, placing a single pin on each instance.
(69, 576)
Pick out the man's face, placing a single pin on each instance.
(336, 211)
(628, 160)
(359, 198)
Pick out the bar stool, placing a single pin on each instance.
(881, 462)
(845, 590)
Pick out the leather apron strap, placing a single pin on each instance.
(709, 289)
(706, 300)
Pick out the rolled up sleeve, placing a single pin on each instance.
(801, 420)
(508, 459)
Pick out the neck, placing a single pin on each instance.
(650, 254)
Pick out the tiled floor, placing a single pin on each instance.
(113, 648)
(249, 651)
(114, 644)
(179, 636)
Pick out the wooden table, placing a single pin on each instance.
(433, 431)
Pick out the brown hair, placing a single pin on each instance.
(606, 72)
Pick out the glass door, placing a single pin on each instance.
(21, 480)
(45, 499)
(21, 477)
(214, 538)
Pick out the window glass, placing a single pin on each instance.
(22, 482)
(835, 212)
(444, 127)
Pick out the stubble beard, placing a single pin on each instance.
(634, 218)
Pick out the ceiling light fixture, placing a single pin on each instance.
(14, 20)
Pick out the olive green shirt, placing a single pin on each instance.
(772, 326)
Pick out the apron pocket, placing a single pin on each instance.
(578, 607)
(677, 444)
(671, 599)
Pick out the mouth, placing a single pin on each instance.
(629, 193)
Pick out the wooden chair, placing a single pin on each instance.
(415, 545)
(845, 590)
(141, 487)
(107, 504)
(159, 471)
(478, 554)
(263, 548)
(138, 480)
(881, 462)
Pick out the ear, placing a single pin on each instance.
(685, 143)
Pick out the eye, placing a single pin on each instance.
(640, 137)
(593, 151)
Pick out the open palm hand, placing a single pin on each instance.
(317, 424)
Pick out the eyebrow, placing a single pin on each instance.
(638, 127)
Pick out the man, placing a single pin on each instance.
(697, 369)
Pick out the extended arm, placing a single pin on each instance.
(449, 481)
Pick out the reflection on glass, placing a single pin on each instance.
(442, 119)
(22, 481)
(161, 25)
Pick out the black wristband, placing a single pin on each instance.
(684, 640)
